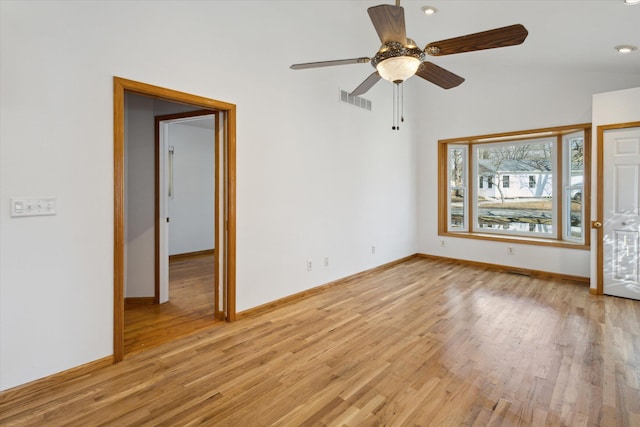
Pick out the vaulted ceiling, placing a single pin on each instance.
(577, 35)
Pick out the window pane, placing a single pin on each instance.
(575, 219)
(576, 147)
(523, 204)
(457, 159)
(573, 206)
(456, 167)
(456, 209)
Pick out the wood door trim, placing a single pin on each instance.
(218, 314)
(120, 85)
(230, 126)
(600, 206)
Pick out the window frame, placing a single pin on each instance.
(561, 234)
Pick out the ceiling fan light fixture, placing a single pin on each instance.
(398, 69)
(396, 63)
(631, 2)
(625, 48)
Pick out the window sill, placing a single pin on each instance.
(516, 239)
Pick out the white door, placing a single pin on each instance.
(165, 172)
(621, 245)
(170, 230)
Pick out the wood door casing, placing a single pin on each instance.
(120, 86)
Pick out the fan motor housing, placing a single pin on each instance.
(395, 49)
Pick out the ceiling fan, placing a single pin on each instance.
(400, 58)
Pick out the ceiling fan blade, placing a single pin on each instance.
(389, 23)
(438, 75)
(319, 64)
(366, 84)
(498, 37)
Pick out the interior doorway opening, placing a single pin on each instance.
(183, 149)
(224, 270)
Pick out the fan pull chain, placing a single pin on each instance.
(394, 103)
(402, 102)
(398, 105)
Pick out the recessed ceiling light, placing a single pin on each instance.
(430, 10)
(625, 48)
(631, 2)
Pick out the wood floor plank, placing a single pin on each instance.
(424, 342)
(190, 307)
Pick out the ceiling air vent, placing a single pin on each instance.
(355, 100)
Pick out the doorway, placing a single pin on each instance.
(187, 186)
(225, 191)
(170, 286)
(619, 210)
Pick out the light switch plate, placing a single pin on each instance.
(30, 206)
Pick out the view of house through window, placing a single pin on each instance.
(528, 184)
(527, 205)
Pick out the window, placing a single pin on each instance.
(535, 186)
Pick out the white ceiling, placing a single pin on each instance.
(575, 35)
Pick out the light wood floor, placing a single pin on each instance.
(425, 342)
(190, 307)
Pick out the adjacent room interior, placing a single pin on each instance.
(186, 204)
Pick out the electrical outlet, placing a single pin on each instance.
(373, 249)
(326, 261)
(510, 251)
(309, 265)
(442, 245)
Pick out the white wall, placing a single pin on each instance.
(621, 106)
(139, 197)
(494, 101)
(315, 177)
(191, 208)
